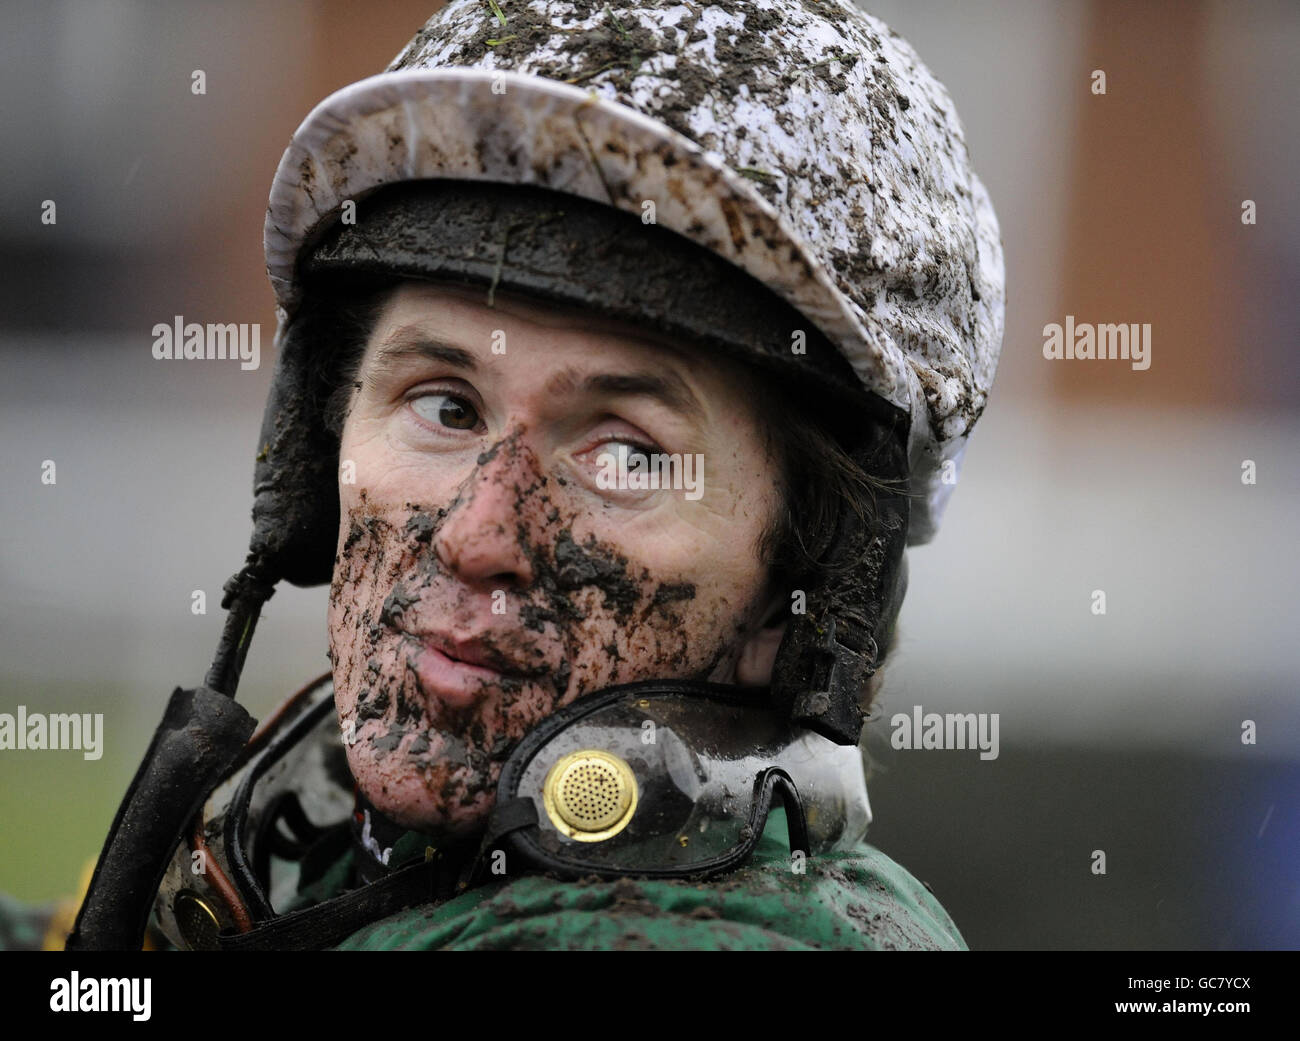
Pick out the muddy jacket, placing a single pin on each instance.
(856, 900)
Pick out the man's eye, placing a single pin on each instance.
(632, 455)
(629, 451)
(449, 410)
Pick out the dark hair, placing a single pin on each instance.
(341, 319)
(818, 477)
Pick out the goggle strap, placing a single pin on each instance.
(796, 821)
(508, 816)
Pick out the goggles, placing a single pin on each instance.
(671, 779)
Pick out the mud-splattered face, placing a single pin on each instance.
(488, 574)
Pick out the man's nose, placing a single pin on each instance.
(480, 540)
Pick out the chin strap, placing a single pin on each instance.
(202, 733)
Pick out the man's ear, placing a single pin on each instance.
(758, 655)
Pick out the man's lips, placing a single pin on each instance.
(478, 651)
(457, 672)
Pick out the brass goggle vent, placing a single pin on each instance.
(590, 795)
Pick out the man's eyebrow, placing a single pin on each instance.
(666, 387)
(402, 346)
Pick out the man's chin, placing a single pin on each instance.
(437, 825)
(432, 815)
(436, 798)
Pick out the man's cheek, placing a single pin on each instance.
(367, 671)
(512, 717)
(345, 653)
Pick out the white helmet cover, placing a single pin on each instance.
(804, 142)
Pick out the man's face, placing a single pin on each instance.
(486, 575)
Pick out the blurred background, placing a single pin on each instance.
(1119, 732)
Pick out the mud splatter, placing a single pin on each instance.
(579, 616)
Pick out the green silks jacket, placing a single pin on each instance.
(854, 900)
